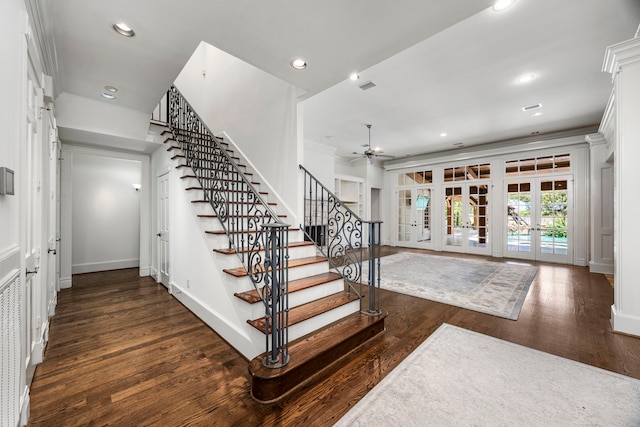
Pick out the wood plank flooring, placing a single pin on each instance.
(123, 352)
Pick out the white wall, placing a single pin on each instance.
(106, 213)
(257, 110)
(319, 161)
(12, 35)
(12, 338)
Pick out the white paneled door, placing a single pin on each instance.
(163, 229)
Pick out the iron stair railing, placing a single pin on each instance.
(253, 229)
(339, 234)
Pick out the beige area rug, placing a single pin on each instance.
(497, 288)
(462, 378)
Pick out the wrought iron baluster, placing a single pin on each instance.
(343, 245)
(242, 213)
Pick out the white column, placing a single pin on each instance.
(601, 202)
(623, 62)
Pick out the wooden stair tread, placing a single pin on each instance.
(234, 216)
(293, 263)
(233, 202)
(188, 176)
(312, 355)
(222, 232)
(233, 251)
(311, 309)
(213, 169)
(263, 193)
(253, 296)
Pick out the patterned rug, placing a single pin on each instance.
(497, 288)
(462, 378)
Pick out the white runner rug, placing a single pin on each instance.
(462, 378)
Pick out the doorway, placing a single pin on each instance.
(466, 218)
(415, 217)
(163, 229)
(538, 221)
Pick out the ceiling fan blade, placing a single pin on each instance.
(384, 155)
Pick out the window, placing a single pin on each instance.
(415, 178)
(538, 165)
(468, 173)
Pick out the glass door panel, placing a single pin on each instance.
(454, 223)
(519, 217)
(553, 217)
(414, 217)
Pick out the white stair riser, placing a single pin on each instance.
(193, 182)
(213, 224)
(301, 297)
(221, 241)
(303, 328)
(243, 284)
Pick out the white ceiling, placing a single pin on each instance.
(439, 66)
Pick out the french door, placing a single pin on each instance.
(466, 218)
(538, 222)
(414, 217)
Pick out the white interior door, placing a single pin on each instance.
(414, 217)
(32, 295)
(163, 229)
(539, 219)
(466, 218)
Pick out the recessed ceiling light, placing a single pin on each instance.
(123, 29)
(299, 64)
(108, 95)
(526, 78)
(354, 76)
(502, 4)
(539, 113)
(111, 89)
(443, 134)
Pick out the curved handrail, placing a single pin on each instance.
(249, 223)
(338, 232)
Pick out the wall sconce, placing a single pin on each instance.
(137, 187)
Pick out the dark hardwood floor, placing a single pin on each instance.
(123, 352)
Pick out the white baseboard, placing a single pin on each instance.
(25, 407)
(65, 282)
(235, 336)
(624, 323)
(145, 271)
(104, 266)
(595, 267)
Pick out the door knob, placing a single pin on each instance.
(159, 234)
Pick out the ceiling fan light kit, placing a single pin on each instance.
(370, 153)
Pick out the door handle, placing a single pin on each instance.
(159, 234)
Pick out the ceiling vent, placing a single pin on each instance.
(531, 107)
(367, 85)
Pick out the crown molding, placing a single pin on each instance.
(620, 55)
(41, 21)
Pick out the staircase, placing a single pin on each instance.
(325, 321)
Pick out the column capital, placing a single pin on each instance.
(620, 55)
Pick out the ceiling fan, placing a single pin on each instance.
(370, 153)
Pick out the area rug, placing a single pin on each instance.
(462, 378)
(497, 288)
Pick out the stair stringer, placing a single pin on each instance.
(197, 279)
